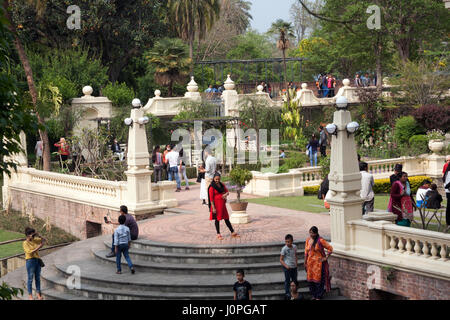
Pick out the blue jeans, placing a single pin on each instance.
(173, 171)
(33, 270)
(123, 248)
(313, 155)
(289, 276)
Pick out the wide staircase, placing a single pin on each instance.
(167, 271)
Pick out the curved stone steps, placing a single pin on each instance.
(88, 291)
(104, 275)
(235, 248)
(191, 269)
(196, 258)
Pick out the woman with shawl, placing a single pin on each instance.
(217, 199)
(316, 264)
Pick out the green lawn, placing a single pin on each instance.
(13, 248)
(306, 203)
(312, 204)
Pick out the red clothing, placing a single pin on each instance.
(219, 203)
(445, 168)
(63, 148)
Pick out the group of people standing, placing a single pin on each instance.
(315, 145)
(326, 85)
(172, 162)
(365, 81)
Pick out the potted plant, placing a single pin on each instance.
(436, 140)
(239, 178)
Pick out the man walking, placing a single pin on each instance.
(210, 168)
(323, 141)
(172, 159)
(130, 222)
(367, 183)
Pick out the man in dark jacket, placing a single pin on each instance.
(433, 198)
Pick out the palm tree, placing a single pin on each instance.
(171, 61)
(39, 7)
(193, 18)
(284, 30)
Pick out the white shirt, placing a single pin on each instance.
(172, 158)
(420, 195)
(367, 184)
(210, 167)
(447, 180)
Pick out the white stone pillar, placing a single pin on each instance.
(139, 183)
(21, 159)
(345, 182)
(192, 90)
(230, 98)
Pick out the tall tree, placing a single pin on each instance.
(193, 18)
(234, 20)
(116, 31)
(285, 31)
(30, 81)
(14, 115)
(304, 23)
(171, 61)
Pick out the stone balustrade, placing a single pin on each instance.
(420, 243)
(415, 250)
(109, 194)
(311, 176)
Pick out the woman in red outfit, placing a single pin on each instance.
(217, 199)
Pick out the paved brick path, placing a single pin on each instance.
(269, 224)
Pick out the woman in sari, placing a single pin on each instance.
(400, 202)
(217, 199)
(316, 264)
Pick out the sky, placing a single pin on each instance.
(265, 12)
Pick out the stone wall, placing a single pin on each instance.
(352, 276)
(68, 215)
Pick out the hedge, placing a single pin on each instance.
(381, 185)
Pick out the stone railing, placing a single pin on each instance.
(311, 176)
(420, 243)
(108, 194)
(415, 250)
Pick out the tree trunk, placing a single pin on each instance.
(378, 54)
(169, 89)
(30, 81)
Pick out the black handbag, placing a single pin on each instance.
(41, 262)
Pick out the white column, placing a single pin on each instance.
(230, 98)
(139, 185)
(345, 182)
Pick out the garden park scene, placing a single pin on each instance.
(225, 155)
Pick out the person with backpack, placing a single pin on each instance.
(157, 163)
(433, 198)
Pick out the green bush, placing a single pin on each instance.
(405, 128)
(297, 160)
(381, 185)
(314, 190)
(418, 144)
(120, 94)
(384, 185)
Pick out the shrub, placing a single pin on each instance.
(381, 185)
(433, 117)
(418, 144)
(311, 190)
(297, 160)
(405, 128)
(384, 185)
(120, 94)
(240, 177)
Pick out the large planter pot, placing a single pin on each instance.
(238, 206)
(239, 213)
(436, 145)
